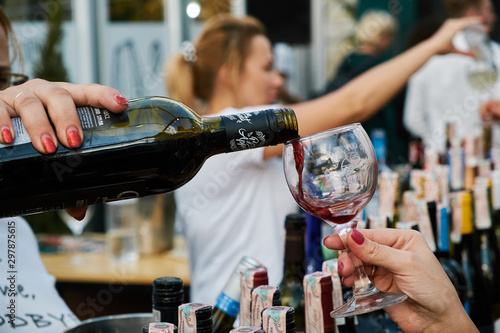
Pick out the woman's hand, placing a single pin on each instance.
(490, 110)
(404, 263)
(39, 102)
(442, 39)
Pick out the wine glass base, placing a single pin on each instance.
(358, 305)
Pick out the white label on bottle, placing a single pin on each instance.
(495, 177)
(21, 135)
(481, 209)
(457, 168)
(457, 217)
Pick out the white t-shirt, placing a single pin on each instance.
(26, 289)
(439, 93)
(235, 206)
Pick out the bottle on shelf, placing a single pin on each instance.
(168, 295)
(159, 328)
(154, 147)
(227, 306)
(278, 319)
(292, 291)
(318, 291)
(486, 251)
(250, 278)
(314, 255)
(347, 324)
(263, 297)
(195, 318)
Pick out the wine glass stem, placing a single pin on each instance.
(362, 284)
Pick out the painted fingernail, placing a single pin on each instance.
(74, 139)
(120, 99)
(324, 239)
(340, 268)
(357, 236)
(48, 144)
(6, 135)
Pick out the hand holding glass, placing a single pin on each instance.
(333, 175)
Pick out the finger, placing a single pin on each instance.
(31, 110)
(388, 248)
(96, 95)
(7, 133)
(333, 242)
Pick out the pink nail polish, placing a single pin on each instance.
(120, 99)
(74, 139)
(357, 236)
(340, 268)
(7, 135)
(48, 144)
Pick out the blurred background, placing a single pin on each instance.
(123, 43)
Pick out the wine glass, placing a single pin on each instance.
(333, 175)
(76, 227)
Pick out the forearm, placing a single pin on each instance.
(365, 95)
(457, 321)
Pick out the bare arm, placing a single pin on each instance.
(365, 95)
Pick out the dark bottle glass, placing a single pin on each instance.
(227, 306)
(195, 317)
(318, 291)
(156, 146)
(275, 318)
(263, 297)
(250, 278)
(159, 328)
(292, 290)
(168, 295)
(487, 253)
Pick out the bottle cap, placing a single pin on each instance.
(203, 313)
(247, 329)
(167, 292)
(159, 328)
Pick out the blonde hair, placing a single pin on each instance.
(11, 37)
(225, 40)
(373, 25)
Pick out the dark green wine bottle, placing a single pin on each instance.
(154, 147)
(292, 290)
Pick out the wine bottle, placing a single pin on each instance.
(318, 290)
(278, 319)
(168, 295)
(159, 328)
(250, 278)
(195, 318)
(292, 291)
(487, 253)
(314, 256)
(263, 297)
(228, 303)
(347, 324)
(156, 146)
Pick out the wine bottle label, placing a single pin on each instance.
(443, 229)
(318, 299)
(90, 118)
(274, 319)
(187, 316)
(161, 328)
(247, 130)
(457, 217)
(156, 315)
(387, 194)
(262, 297)
(456, 161)
(481, 209)
(495, 188)
(250, 278)
(331, 266)
(228, 305)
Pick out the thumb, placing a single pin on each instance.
(376, 253)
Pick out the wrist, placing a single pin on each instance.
(456, 320)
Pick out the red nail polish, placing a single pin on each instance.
(7, 135)
(74, 139)
(48, 144)
(357, 236)
(340, 268)
(121, 100)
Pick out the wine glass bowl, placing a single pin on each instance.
(333, 175)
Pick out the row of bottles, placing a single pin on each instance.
(453, 199)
